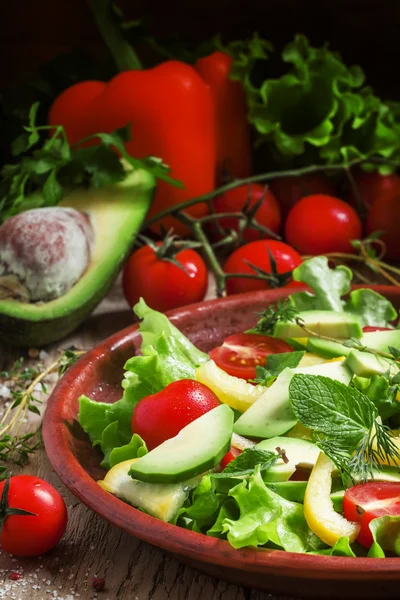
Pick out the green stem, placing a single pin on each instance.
(172, 210)
(122, 52)
(211, 258)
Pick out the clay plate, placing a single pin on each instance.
(98, 374)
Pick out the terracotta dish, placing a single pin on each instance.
(98, 374)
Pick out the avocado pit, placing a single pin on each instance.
(44, 252)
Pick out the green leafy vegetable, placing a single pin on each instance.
(386, 534)
(316, 107)
(245, 463)
(329, 285)
(45, 173)
(345, 421)
(341, 548)
(275, 364)
(266, 517)
(154, 322)
(382, 392)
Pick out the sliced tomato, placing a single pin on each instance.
(229, 456)
(369, 328)
(366, 501)
(241, 353)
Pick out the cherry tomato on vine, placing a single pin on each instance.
(229, 457)
(258, 254)
(268, 214)
(161, 416)
(320, 224)
(289, 190)
(241, 353)
(163, 284)
(34, 534)
(372, 186)
(366, 501)
(384, 215)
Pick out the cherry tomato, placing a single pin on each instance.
(369, 328)
(161, 416)
(268, 214)
(366, 501)
(241, 353)
(257, 253)
(32, 535)
(289, 190)
(230, 456)
(371, 187)
(384, 215)
(163, 284)
(319, 224)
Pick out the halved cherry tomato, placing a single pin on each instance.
(366, 501)
(161, 416)
(229, 456)
(241, 353)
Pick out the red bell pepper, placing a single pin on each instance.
(231, 124)
(171, 112)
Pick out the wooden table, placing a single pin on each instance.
(132, 570)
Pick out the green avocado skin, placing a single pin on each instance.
(120, 211)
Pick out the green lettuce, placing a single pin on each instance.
(328, 288)
(265, 517)
(308, 106)
(341, 548)
(386, 534)
(167, 356)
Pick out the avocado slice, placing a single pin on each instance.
(116, 213)
(376, 340)
(272, 415)
(299, 453)
(365, 364)
(321, 322)
(197, 448)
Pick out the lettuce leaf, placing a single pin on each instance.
(341, 548)
(167, 356)
(308, 103)
(329, 285)
(386, 534)
(266, 517)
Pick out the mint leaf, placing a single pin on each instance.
(332, 408)
(370, 308)
(245, 463)
(275, 364)
(327, 284)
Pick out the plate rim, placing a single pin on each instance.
(171, 538)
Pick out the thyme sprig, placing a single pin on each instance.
(23, 381)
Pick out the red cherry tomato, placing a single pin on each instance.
(384, 215)
(366, 501)
(256, 253)
(230, 456)
(161, 416)
(319, 224)
(369, 328)
(289, 190)
(161, 283)
(240, 354)
(371, 187)
(268, 214)
(32, 535)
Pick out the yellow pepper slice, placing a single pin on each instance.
(320, 515)
(235, 392)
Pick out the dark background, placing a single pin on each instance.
(364, 31)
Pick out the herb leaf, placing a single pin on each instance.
(283, 311)
(276, 363)
(245, 463)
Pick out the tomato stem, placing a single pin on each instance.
(6, 511)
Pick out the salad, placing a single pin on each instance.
(283, 437)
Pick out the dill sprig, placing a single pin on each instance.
(282, 311)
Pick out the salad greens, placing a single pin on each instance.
(348, 422)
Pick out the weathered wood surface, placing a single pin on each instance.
(133, 570)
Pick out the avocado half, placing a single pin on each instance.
(116, 213)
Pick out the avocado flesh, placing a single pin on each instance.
(116, 214)
(376, 340)
(298, 452)
(320, 322)
(365, 364)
